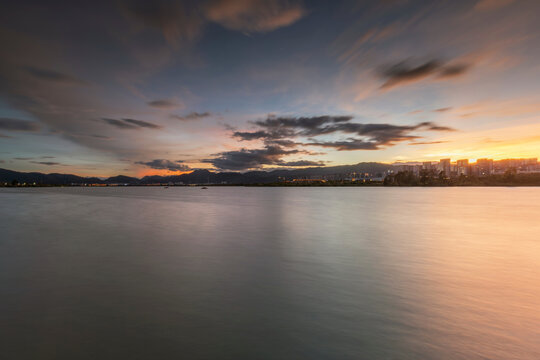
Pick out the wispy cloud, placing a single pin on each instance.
(12, 124)
(191, 116)
(185, 21)
(444, 109)
(53, 76)
(47, 163)
(162, 164)
(164, 104)
(143, 124)
(253, 15)
(403, 73)
(130, 124)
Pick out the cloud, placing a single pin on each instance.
(427, 142)
(252, 15)
(278, 128)
(11, 124)
(452, 71)
(128, 124)
(377, 136)
(164, 104)
(48, 163)
(22, 158)
(366, 136)
(176, 20)
(444, 109)
(307, 123)
(403, 73)
(244, 159)
(274, 134)
(5, 136)
(302, 163)
(284, 143)
(162, 164)
(352, 144)
(96, 136)
(191, 116)
(119, 123)
(143, 124)
(53, 76)
(185, 20)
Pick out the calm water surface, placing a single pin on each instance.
(270, 273)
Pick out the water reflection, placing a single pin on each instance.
(270, 273)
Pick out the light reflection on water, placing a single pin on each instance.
(270, 273)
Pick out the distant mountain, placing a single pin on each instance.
(198, 176)
(122, 179)
(48, 179)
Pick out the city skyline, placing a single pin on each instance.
(141, 88)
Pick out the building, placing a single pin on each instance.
(445, 166)
(484, 167)
(462, 167)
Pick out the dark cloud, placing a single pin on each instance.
(163, 104)
(11, 124)
(453, 71)
(281, 130)
(375, 136)
(5, 136)
(272, 135)
(444, 109)
(427, 142)
(434, 127)
(302, 163)
(250, 158)
(47, 157)
(48, 163)
(162, 164)
(143, 124)
(53, 76)
(278, 128)
(351, 144)
(284, 143)
(307, 123)
(119, 123)
(129, 124)
(403, 73)
(191, 116)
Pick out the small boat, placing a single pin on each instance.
(204, 187)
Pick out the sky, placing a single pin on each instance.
(101, 88)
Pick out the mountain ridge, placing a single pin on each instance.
(200, 176)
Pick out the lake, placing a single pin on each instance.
(270, 273)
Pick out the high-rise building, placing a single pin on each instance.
(427, 165)
(462, 167)
(445, 166)
(484, 166)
